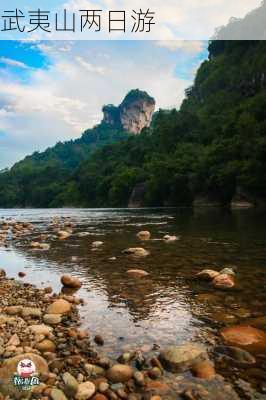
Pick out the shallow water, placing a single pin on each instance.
(169, 306)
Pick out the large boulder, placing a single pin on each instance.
(181, 358)
(250, 338)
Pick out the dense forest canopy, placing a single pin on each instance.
(213, 147)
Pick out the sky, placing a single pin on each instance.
(52, 91)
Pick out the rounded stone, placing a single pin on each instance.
(136, 252)
(52, 319)
(207, 274)
(137, 273)
(85, 390)
(71, 384)
(245, 336)
(120, 373)
(46, 345)
(144, 235)
(41, 329)
(236, 355)
(204, 370)
(70, 281)
(181, 358)
(57, 394)
(59, 306)
(223, 281)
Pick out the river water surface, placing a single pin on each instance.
(167, 307)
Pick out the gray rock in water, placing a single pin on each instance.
(235, 354)
(203, 389)
(181, 358)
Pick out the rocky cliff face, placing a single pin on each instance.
(133, 114)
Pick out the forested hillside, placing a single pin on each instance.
(213, 148)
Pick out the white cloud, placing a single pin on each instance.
(13, 63)
(90, 67)
(61, 101)
(188, 46)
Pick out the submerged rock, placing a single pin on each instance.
(235, 354)
(245, 336)
(181, 358)
(204, 369)
(144, 235)
(170, 238)
(223, 281)
(203, 389)
(137, 273)
(96, 244)
(136, 252)
(228, 271)
(63, 235)
(207, 274)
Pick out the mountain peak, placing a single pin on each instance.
(133, 114)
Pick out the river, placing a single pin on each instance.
(169, 306)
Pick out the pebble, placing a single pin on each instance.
(180, 358)
(85, 390)
(57, 394)
(120, 373)
(137, 273)
(41, 329)
(98, 339)
(71, 281)
(71, 384)
(136, 252)
(52, 319)
(59, 306)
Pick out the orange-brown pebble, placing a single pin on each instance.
(204, 370)
(99, 396)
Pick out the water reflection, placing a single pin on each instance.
(166, 307)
